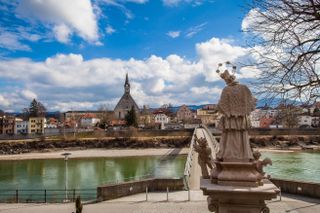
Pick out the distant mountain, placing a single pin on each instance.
(275, 102)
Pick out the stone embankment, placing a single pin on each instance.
(19, 147)
(286, 142)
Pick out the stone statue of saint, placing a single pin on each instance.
(204, 155)
(235, 104)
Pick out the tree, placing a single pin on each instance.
(131, 117)
(105, 116)
(284, 35)
(288, 115)
(36, 109)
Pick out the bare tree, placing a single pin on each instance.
(285, 38)
(105, 116)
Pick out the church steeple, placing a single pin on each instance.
(127, 85)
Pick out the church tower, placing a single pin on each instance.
(126, 102)
(127, 85)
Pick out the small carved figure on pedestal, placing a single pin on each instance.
(204, 155)
(261, 163)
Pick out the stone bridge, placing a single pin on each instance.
(192, 170)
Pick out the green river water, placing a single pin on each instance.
(92, 172)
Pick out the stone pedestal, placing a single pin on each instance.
(236, 174)
(238, 199)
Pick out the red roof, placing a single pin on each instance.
(89, 115)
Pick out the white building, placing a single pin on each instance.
(255, 118)
(161, 117)
(89, 120)
(20, 127)
(304, 120)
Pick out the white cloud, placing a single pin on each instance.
(173, 3)
(62, 33)
(217, 51)
(174, 34)
(248, 72)
(11, 41)
(28, 94)
(66, 17)
(206, 90)
(4, 102)
(110, 30)
(195, 30)
(68, 80)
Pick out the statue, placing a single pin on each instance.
(261, 163)
(204, 155)
(235, 105)
(236, 181)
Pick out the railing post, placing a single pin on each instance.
(147, 193)
(188, 194)
(17, 196)
(45, 195)
(167, 194)
(280, 194)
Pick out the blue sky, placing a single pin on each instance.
(74, 54)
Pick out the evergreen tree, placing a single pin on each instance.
(36, 109)
(131, 117)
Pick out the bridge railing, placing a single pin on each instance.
(213, 140)
(188, 165)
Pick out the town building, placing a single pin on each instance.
(304, 120)
(7, 124)
(21, 127)
(185, 114)
(192, 124)
(162, 117)
(77, 115)
(125, 103)
(89, 120)
(209, 115)
(266, 121)
(52, 123)
(146, 118)
(36, 125)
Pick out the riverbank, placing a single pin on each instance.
(20, 147)
(97, 153)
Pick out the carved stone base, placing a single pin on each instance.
(236, 174)
(235, 199)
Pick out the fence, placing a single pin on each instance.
(46, 195)
(112, 191)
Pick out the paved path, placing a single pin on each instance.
(194, 179)
(157, 204)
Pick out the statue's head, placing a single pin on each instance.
(230, 79)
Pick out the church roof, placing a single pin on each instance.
(126, 101)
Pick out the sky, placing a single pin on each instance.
(74, 54)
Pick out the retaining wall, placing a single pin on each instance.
(113, 191)
(298, 187)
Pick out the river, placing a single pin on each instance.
(91, 172)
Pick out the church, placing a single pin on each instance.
(126, 102)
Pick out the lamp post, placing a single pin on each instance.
(66, 155)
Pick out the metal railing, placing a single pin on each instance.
(46, 195)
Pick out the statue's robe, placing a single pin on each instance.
(236, 103)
